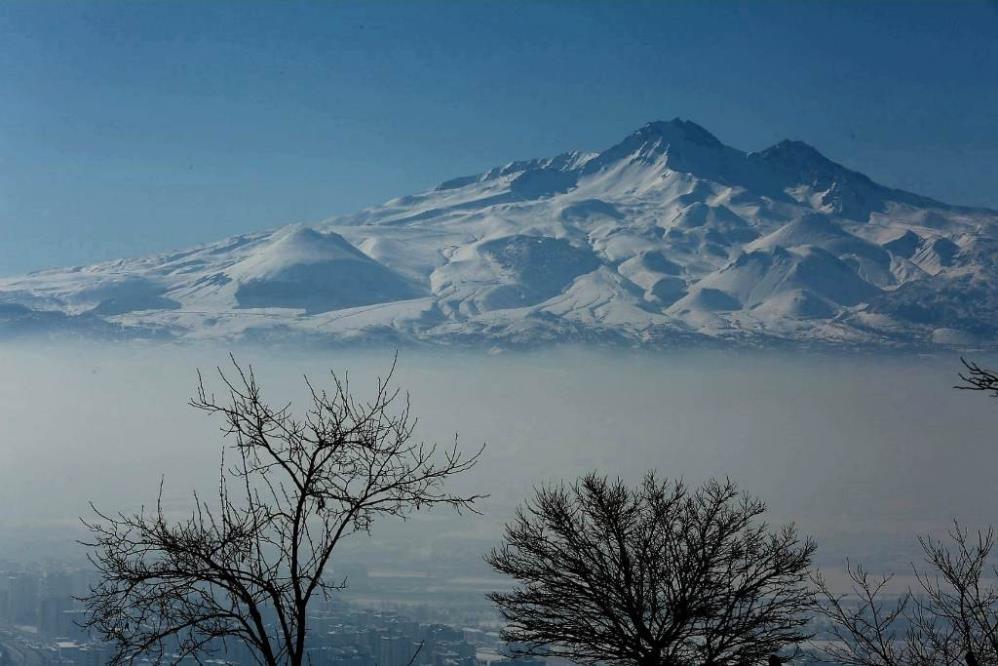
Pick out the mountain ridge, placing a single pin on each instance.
(667, 237)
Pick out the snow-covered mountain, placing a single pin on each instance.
(668, 238)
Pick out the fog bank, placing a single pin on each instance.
(863, 453)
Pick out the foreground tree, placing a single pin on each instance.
(245, 567)
(949, 618)
(653, 575)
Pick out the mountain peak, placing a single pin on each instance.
(792, 152)
(678, 129)
(689, 146)
(806, 165)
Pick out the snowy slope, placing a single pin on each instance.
(669, 237)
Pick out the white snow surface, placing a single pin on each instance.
(668, 238)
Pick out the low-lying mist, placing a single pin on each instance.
(863, 453)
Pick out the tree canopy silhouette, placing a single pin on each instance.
(652, 575)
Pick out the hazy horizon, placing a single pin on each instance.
(862, 452)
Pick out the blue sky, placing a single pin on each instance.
(128, 128)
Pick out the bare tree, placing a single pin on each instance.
(655, 575)
(864, 627)
(950, 618)
(245, 567)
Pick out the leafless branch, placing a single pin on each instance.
(246, 566)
